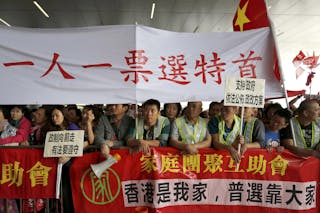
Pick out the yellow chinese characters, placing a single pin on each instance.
(257, 164)
(191, 163)
(170, 163)
(39, 174)
(149, 163)
(279, 165)
(12, 173)
(213, 163)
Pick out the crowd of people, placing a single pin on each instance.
(142, 128)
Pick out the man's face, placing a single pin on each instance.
(40, 116)
(194, 109)
(277, 123)
(118, 109)
(150, 114)
(228, 112)
(248, 112)
(312, 112)
(215, 110)
(171, 111)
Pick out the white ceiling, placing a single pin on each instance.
(297, 22)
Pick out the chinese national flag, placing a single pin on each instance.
(252, 14)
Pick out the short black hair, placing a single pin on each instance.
(275, 106)
(284, 113)
(165, 106)
(151, 102)
(214, 103)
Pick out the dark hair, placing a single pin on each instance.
(66, 122)
(5, 111)
(284, 113)
(275, 106)
(177, 104)
(96, 112)
(214, 103)
(76, 109)
(21, 107)
(151, 102)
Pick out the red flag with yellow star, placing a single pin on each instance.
(252, 14)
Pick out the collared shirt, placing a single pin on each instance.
(149, 134)
(108, 129)
(192, 130)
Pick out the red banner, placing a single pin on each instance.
(166, 181)
(26, 174)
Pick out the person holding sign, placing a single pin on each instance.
(152, 130)
(306, 128)
(189, 132)
(60, 122)
(253, 131)
(225, 131)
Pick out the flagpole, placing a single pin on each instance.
(280, 69)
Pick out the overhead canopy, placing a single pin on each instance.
(128, 64)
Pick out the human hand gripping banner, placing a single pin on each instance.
(166, 181)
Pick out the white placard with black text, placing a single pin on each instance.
(64, 143)
(247, 92)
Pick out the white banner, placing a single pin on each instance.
(172, 192)
(127, 64)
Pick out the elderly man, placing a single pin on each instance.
(306, 128)
(152, 130)
(189, 132)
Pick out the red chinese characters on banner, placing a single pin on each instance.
(172, 68)
(24, 63)
(97, 65)
(53, 63)
(136, 63)
(214, 70)
(176, 74)
(247, 69)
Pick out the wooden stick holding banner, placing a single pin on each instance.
(244, 92)
(241, 133)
